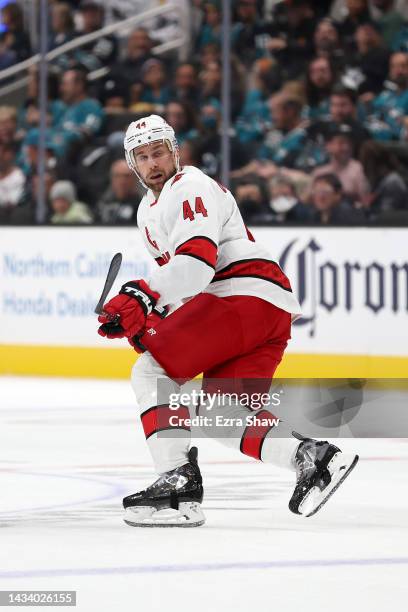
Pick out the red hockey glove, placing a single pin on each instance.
(133, 304)
(151, 322)
(113, 329)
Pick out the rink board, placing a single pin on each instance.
(352, 284)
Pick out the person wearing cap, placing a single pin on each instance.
(349, 171)
(66, 209)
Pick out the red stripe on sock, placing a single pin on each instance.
(254, 435)
(157, 418)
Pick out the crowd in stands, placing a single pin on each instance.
(319, 111)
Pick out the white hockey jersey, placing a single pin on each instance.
(195, 232)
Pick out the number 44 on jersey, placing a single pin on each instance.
(199, 208)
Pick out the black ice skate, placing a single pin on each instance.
(320, 469)
(174, 500)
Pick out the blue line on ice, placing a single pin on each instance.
(200, 567)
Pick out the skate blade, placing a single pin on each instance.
(189, 514)
(339, 467)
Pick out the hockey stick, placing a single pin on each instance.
(110, 279)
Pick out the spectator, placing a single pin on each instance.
(319, 81)
(30, 116)
(12, 181)
(62, 25)
(14, 41)
(28, 158)
(114, 96)
(119, 203)
(210, 94)
(137, 104)
(288, 143)
(327, 43)
(209, 53)
(285, 204)
(251, 194)
(182, 119)
(83, 116)
(185, 87)
(391, 105)
(343, 104)
(211, 29)
(8, 125)
(389, 20)
(65, 207)
(156, 91)
(207, 148)
(349, 171)
(245, 31)
(367, 70)
(189, 153)
(102, 51)
(400, 42)
(25, 212)
(255, 117)
(342, 109)
(289, 36)
(357, 14)
(329, 206)
(138, 51)
(388, 189)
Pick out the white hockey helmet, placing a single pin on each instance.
(145, 131)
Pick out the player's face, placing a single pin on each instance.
(155, 164)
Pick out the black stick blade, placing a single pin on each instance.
(110, 279)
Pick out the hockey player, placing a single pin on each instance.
(233, 326)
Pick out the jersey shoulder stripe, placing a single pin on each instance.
(200, 247)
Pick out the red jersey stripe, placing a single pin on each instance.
(257, 268)
(200, 247)
(165, 258)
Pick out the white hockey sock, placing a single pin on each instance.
(168, 444)
(256, 433)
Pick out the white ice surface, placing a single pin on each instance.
(70, 450)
